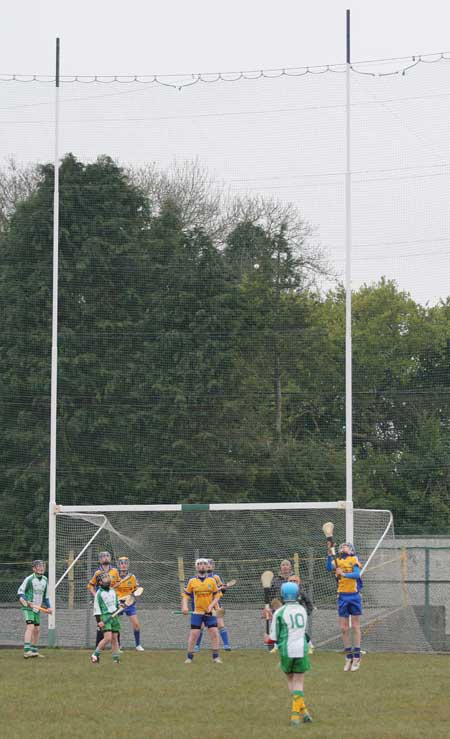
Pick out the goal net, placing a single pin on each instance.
(244, 541)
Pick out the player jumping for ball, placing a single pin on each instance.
(347, 568)
(203, 593)
(288, 631)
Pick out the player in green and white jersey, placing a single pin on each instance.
(32, 595)
(288, 631)
(106, 603)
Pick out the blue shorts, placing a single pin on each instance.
(197, 619)
(349, 604)
(129, 610)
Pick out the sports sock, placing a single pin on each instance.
(33, 648)
(116, 657)
(224, 636)
(199, 638)
(357, 652)
(137, 637)
(27, 646)
(215, 655)
(298, 704)
(190, 655)
(348, 653)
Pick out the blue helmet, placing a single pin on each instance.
(289, 591)
(349, 546)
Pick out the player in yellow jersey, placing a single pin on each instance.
(200, 596)
(104, 560)
(126, 586)
(223, 633)
(347, 569)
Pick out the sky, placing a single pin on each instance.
(282, 138)
(143, 36)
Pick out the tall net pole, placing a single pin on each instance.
(54, 372)
(348, 299)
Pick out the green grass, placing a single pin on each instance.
(154, 694)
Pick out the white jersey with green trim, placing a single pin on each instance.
(33, 589)
(105, 602)
(288, 630)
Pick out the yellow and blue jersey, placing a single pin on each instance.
(350, 581)
(220, 584)
(201, 591)
(112, 572)
(218, 579)
(127, 586)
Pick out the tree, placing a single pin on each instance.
(17, 183)
(273, 262)
(188, 185)
(103, 220)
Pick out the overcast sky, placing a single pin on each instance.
(283, 138)
(143, 36)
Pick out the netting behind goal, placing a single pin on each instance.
(162, 547)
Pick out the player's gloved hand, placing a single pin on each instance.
(268, 640)
(266, 613)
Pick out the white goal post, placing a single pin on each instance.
(162, 542)
(55, 578)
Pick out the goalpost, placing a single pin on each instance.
(163, 541)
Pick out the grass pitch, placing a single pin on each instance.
(154, 694)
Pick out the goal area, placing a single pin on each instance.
(162, 543)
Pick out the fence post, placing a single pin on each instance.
(404, 569)
(427, 612)
(71, 580)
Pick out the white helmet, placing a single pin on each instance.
(201, 564)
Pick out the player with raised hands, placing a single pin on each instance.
(347, 569)
(199, 598)
(127, 585)
(33, 598)
(288, 631)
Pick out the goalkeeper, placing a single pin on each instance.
(286, 575)
(288, 631)
(347, 568)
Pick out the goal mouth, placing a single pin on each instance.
(245, 540)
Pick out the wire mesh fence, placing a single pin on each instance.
(201, 308)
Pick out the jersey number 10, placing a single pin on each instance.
(297, 620)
